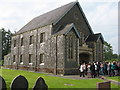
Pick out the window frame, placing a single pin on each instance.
(31, 39)
(41, 58)
(14, 58)
(21, 58)
(15, 43)
(22, 41)
(42, 37)
(30, 58)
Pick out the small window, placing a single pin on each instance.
(41, 58)
(21, 41)
(31, 40)
(42, 37)
(21, 58)
(14, 43)
(30, 58)
(13, 58)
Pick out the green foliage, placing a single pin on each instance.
(1, 62)
(51, 81)
(6, 41)
(108, 53)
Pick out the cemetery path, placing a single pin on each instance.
(76, 77)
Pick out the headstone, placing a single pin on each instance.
(104, 85)
(20, 82)
(40, 84)
(2, 84)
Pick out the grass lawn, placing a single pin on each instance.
(116, 78)
(51, 81)
(1, 62)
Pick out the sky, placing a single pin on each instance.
(102, 15)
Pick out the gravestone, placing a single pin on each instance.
(40, 84)
(20, 82)
(104, 85)
(2, 84)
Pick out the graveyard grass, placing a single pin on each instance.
(51, 81)
(116, 78)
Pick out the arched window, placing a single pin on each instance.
(70, 49)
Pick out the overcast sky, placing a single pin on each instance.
(102, 15)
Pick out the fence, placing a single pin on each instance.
(21, 83)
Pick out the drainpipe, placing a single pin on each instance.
(17, 61)
(56, 57)
(36, 50)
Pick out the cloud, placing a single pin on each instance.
(114, 43)
(103, 17)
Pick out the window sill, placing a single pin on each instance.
(31, 44)
(21, 63)
(42, 43)
(30, 63)
(14, 62)
(42, 64)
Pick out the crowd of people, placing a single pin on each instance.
(96, 69)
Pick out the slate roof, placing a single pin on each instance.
(64, 30)
(47, 18)
(94, 37)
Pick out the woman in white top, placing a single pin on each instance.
(82, 69)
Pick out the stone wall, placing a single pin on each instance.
(53, 49)
(99, 50)
(71, 64)
(35, 48)
(7, 60)
(74, 16)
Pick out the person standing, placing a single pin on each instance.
(92, 69)
(109, 69)
(98, 68)
(118, 64)
(88, 70)
(82, 70)
(101, 69)
(105, 68)
(113, 69)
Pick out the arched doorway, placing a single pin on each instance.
(84, 58)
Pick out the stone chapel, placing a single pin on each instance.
(55, 42)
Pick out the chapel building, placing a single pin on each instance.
(55, 42)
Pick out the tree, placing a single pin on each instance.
(108, 51)
(115, 56)
(6, 42)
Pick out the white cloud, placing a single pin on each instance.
(103, 17)
(114, 43)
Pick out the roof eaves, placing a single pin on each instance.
(18, 33)
(87, 38)
(72, 26)
(100, 36)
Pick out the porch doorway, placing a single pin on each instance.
(84, 58)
